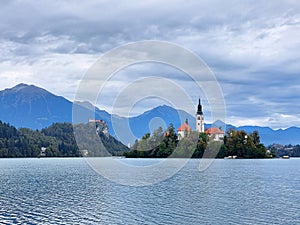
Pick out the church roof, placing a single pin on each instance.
(213, 130)
(184, 127)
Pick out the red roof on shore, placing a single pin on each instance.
(184, 127)
(213, 130)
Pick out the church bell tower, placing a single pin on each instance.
(199, 119)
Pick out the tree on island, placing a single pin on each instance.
(195, 145)
(244, 145)
(158, 145)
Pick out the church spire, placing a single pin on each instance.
(199, 119)
(199, 111)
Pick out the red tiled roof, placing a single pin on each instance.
(184, 127)
(213, 130)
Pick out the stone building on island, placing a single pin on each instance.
(199, 118)
(213, 133)
(184, 130)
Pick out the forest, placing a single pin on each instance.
(57, 139)
(197, 145)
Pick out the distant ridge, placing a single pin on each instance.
(36, 108)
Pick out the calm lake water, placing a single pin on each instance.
(68, 191)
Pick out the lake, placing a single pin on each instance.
(69, 191)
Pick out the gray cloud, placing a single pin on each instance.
(252, 47)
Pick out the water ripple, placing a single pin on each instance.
(67, 191)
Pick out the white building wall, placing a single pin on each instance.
(200, 123)
(180, 135)
(217, 137)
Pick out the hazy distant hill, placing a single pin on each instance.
(270, 136)
(150, 119)
(33, 107)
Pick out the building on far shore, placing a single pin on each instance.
(100, 126)
(199, 118)
(213, 133)
(184, 130)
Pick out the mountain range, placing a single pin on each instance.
(36, 108)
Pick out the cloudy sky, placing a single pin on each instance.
(253, 49)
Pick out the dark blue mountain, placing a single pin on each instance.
(33, 107)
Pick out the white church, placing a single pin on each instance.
(213, 133)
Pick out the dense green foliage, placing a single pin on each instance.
(92, 137)
(244, 145)
(160, 145)
(282, 150)
(165, 144)
(195, 145)
(58, 141)
(66, 143)
(11, 142)
(34, 141)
